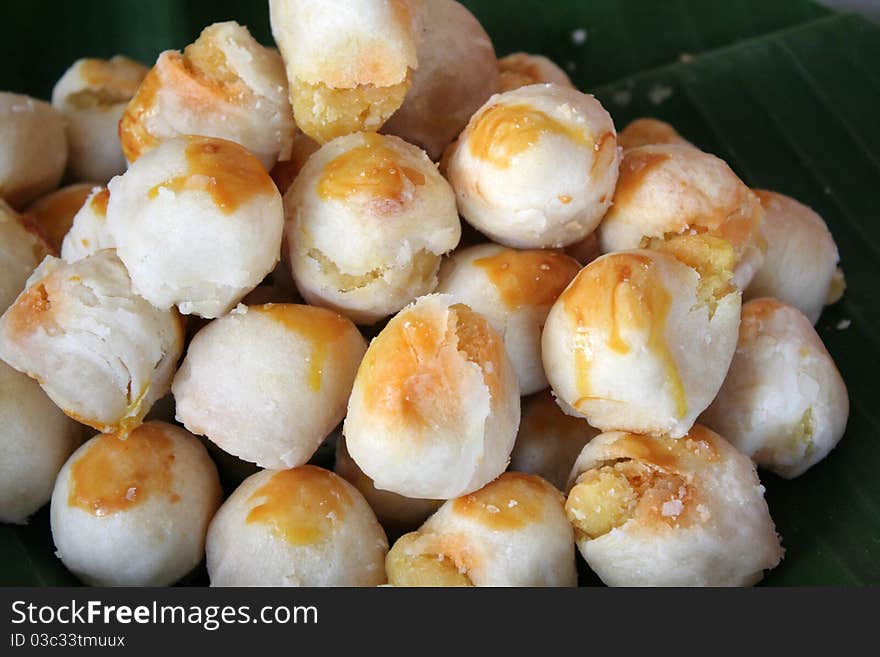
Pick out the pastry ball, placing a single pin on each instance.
(670, 193)
(671, 512)
(521, 69)
(801, 263)
(634, 344)
(88, 232)
(20, 252)
(369, 217)
(101, 353)
(53, 214)
(299, 527)
(197, 222)
(92, 95)
(511, 532)
(457, 73)
(398, 514)
(648, 131)
(549, 441)
(223, 85)
(514, 291)
(33, 148)
(349, 63)
(268, 383)
(783, 403)
(135, 511)
(35, 440)
(536, 167)
(435, 405)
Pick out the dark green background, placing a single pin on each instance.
(787, 92)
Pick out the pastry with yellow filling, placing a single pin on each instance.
(435, 405)
(511, 532)
(268, 383)
(783, 402)
(299, 527)
(223, 85)
(368, 219)
(659, 511)
(100, 352)
(134, 510)
(92, 95)
(349, 64)
(536, 167)
(637, 342)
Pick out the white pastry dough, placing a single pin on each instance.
(33, 148)
(514, 291)
(101, 353)
(299, 527)
(369, 217)
(21, 250)
(35, 439)
(268, 383)
(89, 232)
(197, 222)
(92, 95)
(800, 267)
(223, 85)
(435, 405)
(783, 403)
(536, 167)
(511, 532)
(634, 343)
(349, 63)
(457, 73)
(135, 511)
(671, 512)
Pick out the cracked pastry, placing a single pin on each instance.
(368, 219)
(658, 511)
(99, 351)
(783, 402)
(435, 405)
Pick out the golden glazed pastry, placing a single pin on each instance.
(349, 63)
(636, 343)
(457, 73)
(92, 95)
(648, 131)
(536, 167)
(676, 198)
(223, 85)
(135, 511)
(801, 265)
(368, 219)
(299, 527)
(783, 402)
(548, 440)
(33, 148)
(35, 439)
(521, 69)
(511, 532)
(671, 512)
(269, 382)
(435, 405)
(514, 291)
(100, 352)
(197, 222)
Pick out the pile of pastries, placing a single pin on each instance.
(579, 339)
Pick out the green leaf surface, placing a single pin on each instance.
(785, 91)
